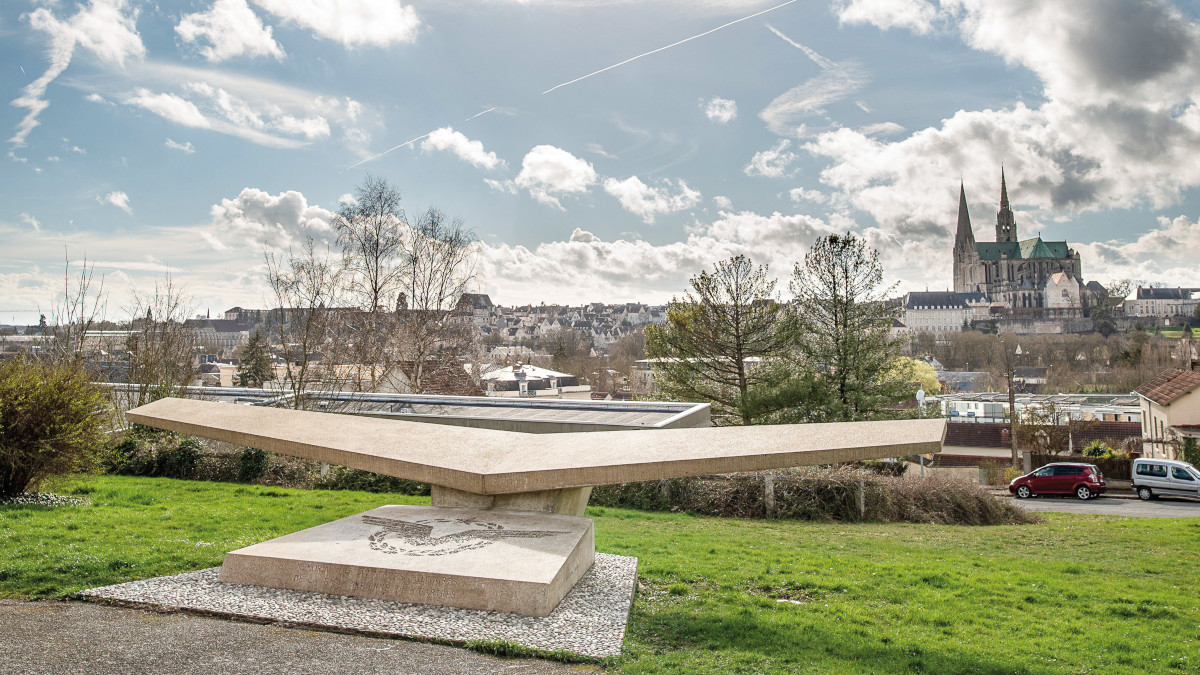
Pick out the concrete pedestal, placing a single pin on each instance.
(519, 562)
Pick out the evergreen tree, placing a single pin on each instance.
(718, 342)
(255, 367)
(842, 333)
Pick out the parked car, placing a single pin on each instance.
(1164, 477)
(1082, 480)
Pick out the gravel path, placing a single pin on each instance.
(590, 621)
(76, 638)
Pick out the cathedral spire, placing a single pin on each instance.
(965, 237)
(1006, 224)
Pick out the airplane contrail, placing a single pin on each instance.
(673, 44)
(480, 113)
(811, 53)
(374, 157)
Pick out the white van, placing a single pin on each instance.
(1164, 477)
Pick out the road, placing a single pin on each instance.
(1114, 506)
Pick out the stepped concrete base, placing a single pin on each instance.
(519, 562)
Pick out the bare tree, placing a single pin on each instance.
(159, 348)
(306, 321)
(371, 231)
(439, 260)
(81, 307)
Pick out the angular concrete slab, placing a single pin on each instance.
(489, 462)
(487, 559)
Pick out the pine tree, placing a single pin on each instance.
(842, 331)
(717, 340)
(255, 367)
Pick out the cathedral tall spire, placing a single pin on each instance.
(965, 237)
(1006, 224)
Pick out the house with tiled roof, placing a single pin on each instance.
(1170, 404)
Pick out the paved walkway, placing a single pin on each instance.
(69, 638)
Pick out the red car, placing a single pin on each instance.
(1082, 480)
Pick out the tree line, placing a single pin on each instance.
(824, 355)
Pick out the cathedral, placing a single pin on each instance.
(1029, 274)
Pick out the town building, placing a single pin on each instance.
(1170, 403)
(936, 312)
(1163, 302)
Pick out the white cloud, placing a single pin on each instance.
(118, 199)
(800, 194)
(256, 118)
(32, 222)
(231, 29)
(646, 202)
(185, 147)
(722, 202)
(103, 28)
(348, 199)
(278, 222)
(462, 147)
(548, 172)
(836, 80)
(916, 15)
(882, 129)
(1166, 253)
(353, 23)
(586, 266)
(1119, 126)
(170, 107)
(720, 110)
(505, 186)
(597, 149)
(772, 163)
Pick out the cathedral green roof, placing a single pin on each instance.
(1024, 250)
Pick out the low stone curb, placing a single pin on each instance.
(589, 622)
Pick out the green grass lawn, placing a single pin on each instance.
(1078, 594)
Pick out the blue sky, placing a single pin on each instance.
(190, 137)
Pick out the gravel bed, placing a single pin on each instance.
(589, 622)
(45, 499)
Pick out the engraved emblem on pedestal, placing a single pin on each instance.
(453, 535)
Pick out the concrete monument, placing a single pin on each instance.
(505, 531)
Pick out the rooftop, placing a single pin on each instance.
(1169, 385)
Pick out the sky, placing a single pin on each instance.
(600, 150)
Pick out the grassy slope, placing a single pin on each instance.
(1078, 594)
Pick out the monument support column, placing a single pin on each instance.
(567, 501)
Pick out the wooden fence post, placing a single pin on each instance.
(769, 494)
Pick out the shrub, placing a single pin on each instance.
(178, 462)
(342, 478)
(130, 457)
(823, 494)
(1097, 449)
(252, 462)
(49, 423)
(1191, 451)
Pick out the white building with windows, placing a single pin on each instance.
(1170, 404)
(1151, 301)
(936, 312)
